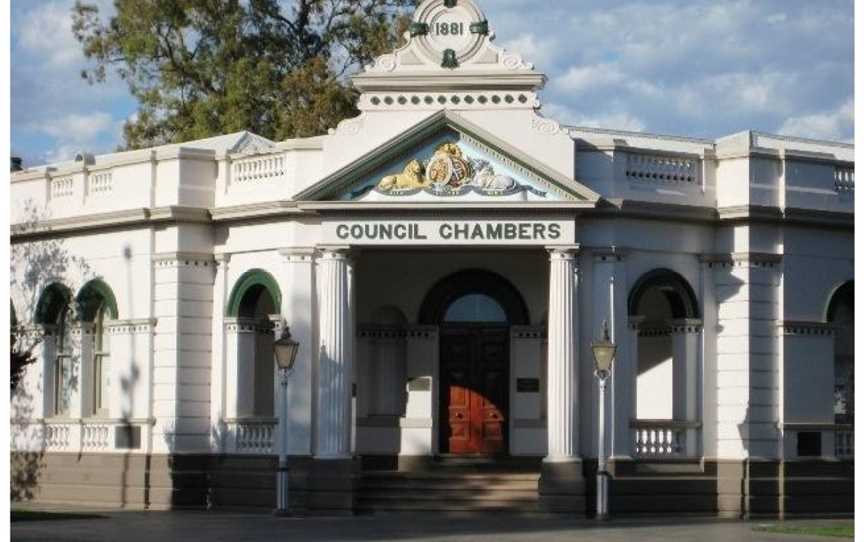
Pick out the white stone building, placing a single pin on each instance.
(445, 260)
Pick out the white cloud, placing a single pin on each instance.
(615, 120)
(47, 32)
(538, 51)
(75, 127)
(837, 124)
(580, 79)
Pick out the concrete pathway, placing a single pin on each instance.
(225, 526)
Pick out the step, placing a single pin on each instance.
(451, 505)
(433, 495)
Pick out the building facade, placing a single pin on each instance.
(445, 261)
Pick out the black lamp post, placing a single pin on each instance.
(285, 351)
(604, 356)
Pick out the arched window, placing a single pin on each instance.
(254, 299)
(475, 308)
(657, 300)
(54, 312)
(474, 296)
(841, 313)
(97, 306)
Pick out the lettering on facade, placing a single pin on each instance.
(450, 231)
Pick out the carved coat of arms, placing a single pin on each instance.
(449, 172)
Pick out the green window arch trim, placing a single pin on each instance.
(250, 279)
(53, 298)
(91, 296)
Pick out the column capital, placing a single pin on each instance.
(742, 259)
(298, 254)
(335, 252)
(82, 328)
(686, 325)
(635, 321)
(563, 252)
(611, 254)
(222, 259)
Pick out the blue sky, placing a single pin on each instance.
(703, 68)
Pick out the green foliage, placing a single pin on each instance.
(841, 529)
(19, 359)
(200, 68)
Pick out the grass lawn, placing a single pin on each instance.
(844, 529)
(36, 515)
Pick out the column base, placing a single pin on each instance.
(562, 486)
(331, 486)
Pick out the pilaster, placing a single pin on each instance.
(610, 304)
(300, 312)
(182, 365)
(218, 384)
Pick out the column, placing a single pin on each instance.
(219, 370)
(563, 359)
(240, 337)
(81, 398)
(610, 304)
(335, 366)
(562, 484)
(299, 309)
(687, 379)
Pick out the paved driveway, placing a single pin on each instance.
(224, 526)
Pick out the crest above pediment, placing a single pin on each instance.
(449, 47)
(446, 159)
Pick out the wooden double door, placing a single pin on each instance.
(474, 389)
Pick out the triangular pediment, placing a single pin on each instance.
(447, 159)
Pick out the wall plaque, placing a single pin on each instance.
(528, 385)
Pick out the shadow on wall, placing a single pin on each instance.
(34, 265)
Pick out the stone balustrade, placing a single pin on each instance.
(258, 169)
(663, 438)
(78, 435)
(844, 441)
(256, 436)
(662, 168)
(844, 179)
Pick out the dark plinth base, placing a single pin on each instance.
(331, 485)
(562, 488)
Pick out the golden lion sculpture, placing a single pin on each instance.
(412, 177)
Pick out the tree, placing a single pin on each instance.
(19, 360)
(200, 68)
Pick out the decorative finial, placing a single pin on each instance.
(450, 61)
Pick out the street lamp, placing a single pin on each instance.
(604, 355)
(285, 351)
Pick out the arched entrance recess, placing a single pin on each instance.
(474, 310)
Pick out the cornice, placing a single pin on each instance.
(436, 81)
(441, 206)
(265, 209)
(790, 215)
(783, 155)
(185, 153)
(654, 211)
(582, 145)
(750, 213)
(131, 217)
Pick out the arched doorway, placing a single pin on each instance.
(474, 311)
(841, 313)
